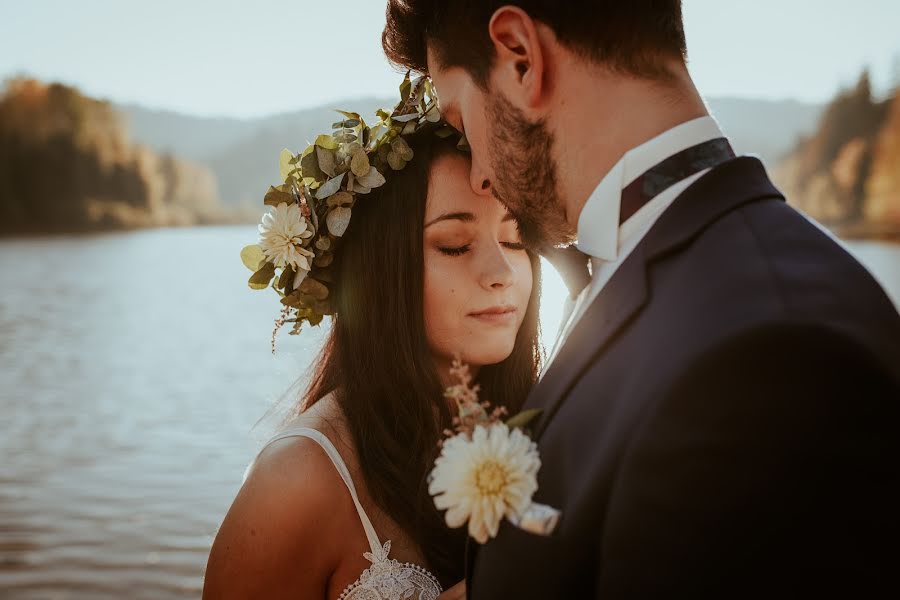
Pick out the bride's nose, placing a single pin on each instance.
(496, 272)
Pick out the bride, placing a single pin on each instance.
(336, 505)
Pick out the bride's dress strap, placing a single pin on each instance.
(331, 451)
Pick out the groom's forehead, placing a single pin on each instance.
(448, 84)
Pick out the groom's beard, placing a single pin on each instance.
(525, 173)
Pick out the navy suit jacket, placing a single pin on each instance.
(724, 421)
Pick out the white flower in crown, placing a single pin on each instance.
(483, 478)
(282, 234)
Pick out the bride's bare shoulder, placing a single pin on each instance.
(293, 500)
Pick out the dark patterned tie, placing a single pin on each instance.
(572, 264)
(670, 171)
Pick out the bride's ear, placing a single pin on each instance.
(519, 64)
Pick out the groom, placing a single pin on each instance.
(722, 416)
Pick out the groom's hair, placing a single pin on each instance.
(630, 36)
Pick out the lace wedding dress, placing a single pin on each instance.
(386, 578)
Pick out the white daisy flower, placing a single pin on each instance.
(486, 478)
(281, 235)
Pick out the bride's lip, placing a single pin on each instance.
(497, 313)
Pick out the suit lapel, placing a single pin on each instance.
(722, 190)
(616, 305)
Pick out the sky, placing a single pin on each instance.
(249, 59)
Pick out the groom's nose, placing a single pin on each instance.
(481, 185)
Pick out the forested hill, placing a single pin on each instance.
(847, 173)
(67, 164)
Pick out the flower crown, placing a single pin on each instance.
(311, 210)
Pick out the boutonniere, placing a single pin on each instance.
(487, 468)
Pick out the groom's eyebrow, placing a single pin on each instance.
(465, 217)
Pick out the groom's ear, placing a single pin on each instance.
(520, 57)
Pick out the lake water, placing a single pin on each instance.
(133, 367)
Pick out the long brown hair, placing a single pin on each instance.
(377, 360)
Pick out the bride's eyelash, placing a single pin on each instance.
(455, 251)
(459, 251)
(514, 245)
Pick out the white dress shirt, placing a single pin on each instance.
(599, 233)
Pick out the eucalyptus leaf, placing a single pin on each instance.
(445, 132)
(433, 115)
(376, 131)
(405, 118)
(330, 187)
(359, 164)
(405, 88)
(353, 185)
(292, 299)
(326, 159)
(287, 278)
(324, 260)
(395, 161)
(274, 197)
(309, 165)
(253, 257)
(313, 288)
(326, 141)
(298, 278)
(349, 115)
(402, 149)
(284, 163)
(419, 90)
(338, 219)
(340, 199)
(260, 280)
(372, 179)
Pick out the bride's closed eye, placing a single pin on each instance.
(460, 250)
(455, 251)
(514, 245)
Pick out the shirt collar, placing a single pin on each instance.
(598, 223)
